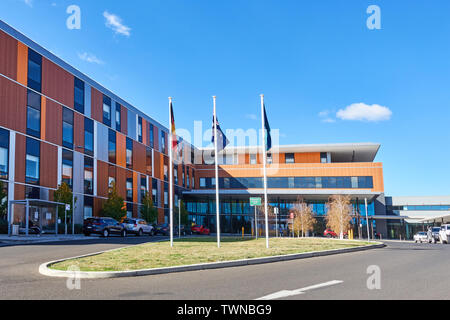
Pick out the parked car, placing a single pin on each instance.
(196, 229)
(184, 230)
(420, 237)
(444, 233)
(433, 235)
(331, 234)
(162, 229)
(138, 227)
(104, 227)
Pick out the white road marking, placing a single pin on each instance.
(290, 293)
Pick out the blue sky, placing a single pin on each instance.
(311, 59)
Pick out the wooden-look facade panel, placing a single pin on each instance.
(8, 54)
(20, 153)
(57, 83)
(78, 130)
(102, 179)
(53, 119)
(121, 149)
(121, 179)
(19, 192)
(312, 157)
(22, 63)
(155, 138)
(157, 165)
(48, 165)
(13, 101)
(96, 105)
(139, 160)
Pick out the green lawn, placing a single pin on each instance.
(198, 250)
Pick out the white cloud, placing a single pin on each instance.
(115, 23)
(28, 2)
(364, 112)
(324, 113)
(329, 120)
(89, 57)
(251, 116)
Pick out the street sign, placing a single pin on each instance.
(68, 207)
(254, 202)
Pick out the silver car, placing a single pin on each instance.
(138, 227)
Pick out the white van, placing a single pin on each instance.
(444, 234)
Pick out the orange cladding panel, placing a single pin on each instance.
(121, 145)
(22, 63)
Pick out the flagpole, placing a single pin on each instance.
(171, 174)
(265, 172)
(217, 174)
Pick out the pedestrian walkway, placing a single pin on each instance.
(23, 239)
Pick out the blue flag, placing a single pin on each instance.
(267, 134)
(222, 140)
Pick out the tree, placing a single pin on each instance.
(184, 213)
(64, 195)
(148, 212)
(114, 207)
(303, 217)
(339, 214)
(3, 201)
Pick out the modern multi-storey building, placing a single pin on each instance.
(58, 125)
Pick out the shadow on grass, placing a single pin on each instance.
(213, 239)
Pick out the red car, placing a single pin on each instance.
(331, 234)
(200, 230)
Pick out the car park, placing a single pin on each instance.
(138, 227)
(444, 233)
(196, 229)
(104, 227)
(420, 237)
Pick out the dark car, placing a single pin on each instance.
(162, 229)
(184, 230)
(104, 227)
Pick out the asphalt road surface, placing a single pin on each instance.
(407, 271)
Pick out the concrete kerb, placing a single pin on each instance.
(44, 268)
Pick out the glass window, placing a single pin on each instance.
(107, 111)
(4, 153)
(269, 158)
(79, 95)
(149, 161)
(33, 114)
(140, 129)
(323, 157)
(253, 159)
(202, 182)
(118, 117)
(151, 135)
(175, 174)
(112, 146)
(67, 128)
(88, 137)
(166, 175)
(88, 175)
(32, 161)
(163, 142)
(87, 212)
(34, 70)
(289, 157)
(129, 153)
(130, 189)
(67, 167)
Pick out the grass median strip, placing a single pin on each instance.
(199, 250)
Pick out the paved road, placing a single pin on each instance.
(408, 271)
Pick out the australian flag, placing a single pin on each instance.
(222, 140)
(267, 134)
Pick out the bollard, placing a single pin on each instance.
(242, 233)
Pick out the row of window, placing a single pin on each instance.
(34, 82)
(243, 207)
(290, 183)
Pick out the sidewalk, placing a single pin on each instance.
(23, 239)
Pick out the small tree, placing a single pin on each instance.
(184, 213)
(64, 195)
(303, 217)
(114, 207)
(339, 214)
(3, 201)
(148, 212)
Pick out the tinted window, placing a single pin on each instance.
(34, 70)
(33, 114)
(32, 161)
(79, 95)
(67, 128)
